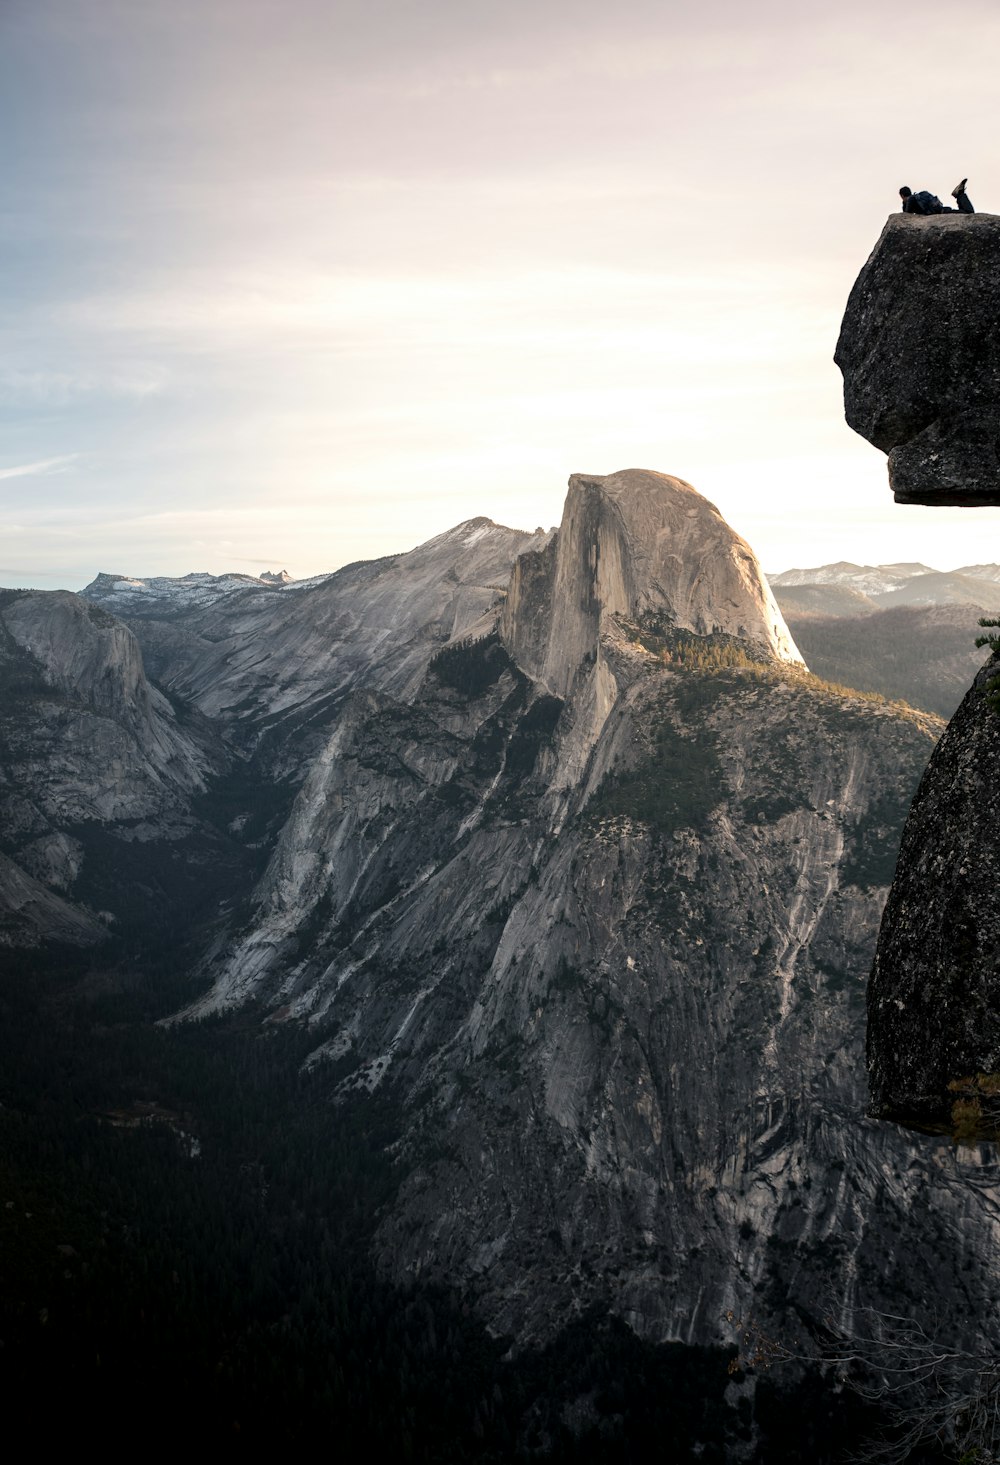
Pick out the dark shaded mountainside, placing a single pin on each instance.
(925, 656)
(934, 1036)
(523, 888)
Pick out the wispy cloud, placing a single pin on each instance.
(45, 465)
(27, 574)
(55, 387)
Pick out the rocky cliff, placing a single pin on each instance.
(594, 907)
(95, 765)
(635, 544)
(920, 352)
(635, 549)
(921, 361)
(934, 1032)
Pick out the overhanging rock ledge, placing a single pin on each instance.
(919, 349)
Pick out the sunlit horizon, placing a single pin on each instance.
(292, 286)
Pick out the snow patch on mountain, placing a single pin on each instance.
(898, 584)
(198, 589)
(868, 579)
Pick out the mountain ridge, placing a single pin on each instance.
(898, 584)
(551, 849)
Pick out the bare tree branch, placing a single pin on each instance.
(932, 1395)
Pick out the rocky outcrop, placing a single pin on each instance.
(920, 352)
(89, 752)
(633, 548)
(635, 545)
(33, 914)
(934, 995)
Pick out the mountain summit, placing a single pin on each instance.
(636, 544)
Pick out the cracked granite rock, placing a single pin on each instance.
(919, 349)
(934, 995)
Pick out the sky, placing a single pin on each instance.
(287, 285)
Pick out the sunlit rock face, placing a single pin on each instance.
(633, 547)
(637, 553)
(934, 995)
(635, 544)
(920, 352)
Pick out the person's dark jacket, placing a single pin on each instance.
(923, 203)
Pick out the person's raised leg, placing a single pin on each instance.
(963, 200)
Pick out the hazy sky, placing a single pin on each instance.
(292, 284)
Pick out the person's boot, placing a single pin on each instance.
(963, 200)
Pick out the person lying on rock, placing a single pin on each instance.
(929, 203)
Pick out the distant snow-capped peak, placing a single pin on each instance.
(868, 579)
(196, 588)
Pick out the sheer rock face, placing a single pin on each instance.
(920, 352)
(87, 749)
(934, 994)
(87, 734)
(631, 545)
